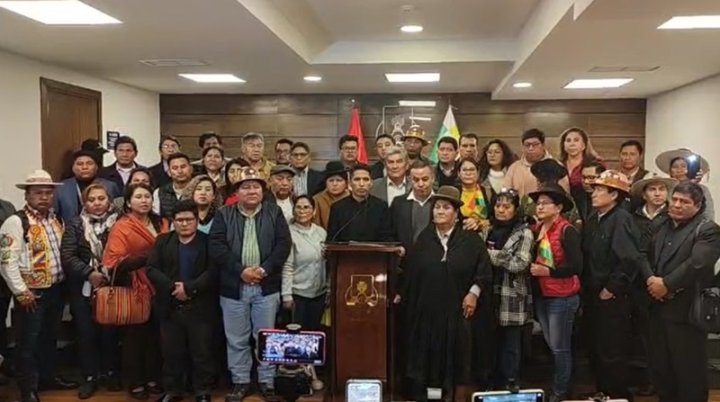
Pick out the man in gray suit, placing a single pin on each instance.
(395, 183)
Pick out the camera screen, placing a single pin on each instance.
(282, 347)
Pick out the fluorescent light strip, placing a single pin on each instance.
(692, 22)
(420, 118)
(312, 78)
(213, 78)
(522, 84)
(412, 77)
(411, 28)
(416, 103)
(59, 12)
(598, 83)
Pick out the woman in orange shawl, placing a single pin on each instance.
(129, 243)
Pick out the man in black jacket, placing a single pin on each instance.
(165, 197)
(681, 260)
(612, 260)
(161, 172)
(249, 242)
(119, 172)
(184, 278)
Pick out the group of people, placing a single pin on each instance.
(488, 243)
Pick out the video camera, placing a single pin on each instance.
(296, 353)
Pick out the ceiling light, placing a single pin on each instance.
(213, 78)
(312, 78)
(413, 77)
(692, 22)
(416, 103)
(59, 12)
(411, 28)
(522, 84)
(598, 83)
(420, 118)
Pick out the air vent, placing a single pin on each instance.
(173, 63)
(620, 69)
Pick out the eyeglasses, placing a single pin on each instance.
(530, 145)
(170, 146)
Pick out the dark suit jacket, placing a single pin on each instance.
(110, 173)
(163, 270)
(67, 200)
(689, 263)
(377, 170)
(159, 177)
(315, 182)
(401, 215)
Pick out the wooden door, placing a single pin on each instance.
(69, 115)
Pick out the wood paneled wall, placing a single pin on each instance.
(320, 120)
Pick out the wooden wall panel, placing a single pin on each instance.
(320, 120)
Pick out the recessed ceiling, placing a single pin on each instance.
(476, 45)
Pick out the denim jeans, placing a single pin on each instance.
(250, 314)
(556, 316)
(37, 339)
(508, 353)
(97, 344)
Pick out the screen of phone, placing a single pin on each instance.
(283, 347)
(522, 396)
(363, 391)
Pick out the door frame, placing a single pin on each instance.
(46, 85)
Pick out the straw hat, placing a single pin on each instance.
(416, 131)
(664, 160)
(638, 188)
(448, 193)
(556, 193)
(614, 179)
(37, 178)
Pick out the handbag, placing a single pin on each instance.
(705, 310)
(120, 305)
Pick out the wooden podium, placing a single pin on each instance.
(361, 329)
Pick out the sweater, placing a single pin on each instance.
(304, 271)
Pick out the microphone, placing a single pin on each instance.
(361, 209)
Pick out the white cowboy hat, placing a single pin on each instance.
(639, 187)
(37, 178)
(664, 160)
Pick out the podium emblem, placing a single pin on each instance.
(362, 291)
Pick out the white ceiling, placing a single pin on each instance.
(476, 45)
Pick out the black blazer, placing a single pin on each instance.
(401, 215)
(315, 182)
(163, 270)
(159, 177)
(690, 262)
(110, 173)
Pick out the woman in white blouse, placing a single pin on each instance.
(304, 282)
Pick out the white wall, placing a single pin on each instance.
(687, 117)
(125, 109)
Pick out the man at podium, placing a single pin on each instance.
(361, 216)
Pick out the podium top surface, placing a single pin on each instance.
(382, 247)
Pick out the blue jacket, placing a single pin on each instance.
(67, 198)
(226, 240)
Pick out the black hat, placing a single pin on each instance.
(93, 145)
(556, 193)
(334, 168)
(90, 154)
(548, 171)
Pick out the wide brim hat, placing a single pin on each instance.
(615, 180)
(548, 170)
(638, 188)
(416, 131)
(38, 178)
(448, 193)
(664, 160)
(249, 173)
(334, 168)
(93, 145)
(556, 193)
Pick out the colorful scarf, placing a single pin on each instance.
(474, 203)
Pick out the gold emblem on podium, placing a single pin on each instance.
(362, 291)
